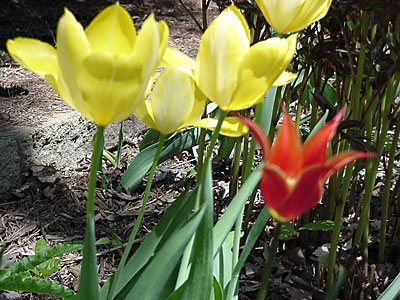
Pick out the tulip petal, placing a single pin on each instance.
(260, 68)
(293, 15)
(36, 56)
(287, 149)
(314, 149)
(108, 85)
(178, 60)
(221, 50)
(274, 187)
(305, 194)
(172, 100)
(112, 30)
(258, 133)
(72, 48)
(199, 106)
(231, 126)
(339, 161)
(144, 112)
(285, 78)
(148, 49)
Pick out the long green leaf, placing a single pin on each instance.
(392, 291)
(199, 283)
(173, 218)
(228, 219)
(19, 282)
(150, 282)
(254, 233)
(335, 289)
(30, 262)
(267, 109)
(142, 162)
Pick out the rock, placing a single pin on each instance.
(11, 295)
(63, 140)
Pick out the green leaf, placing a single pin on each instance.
(48, 267)
(320, 123)
(173, 218)
(252, 238)
(287, 231)
(267, 109)
(20, 282)
(226, 146)
(151, 137)
(142, 162)
(324, 225)
(30, 262)
(228, 219)
(110, 157)
(199, 283)
(335, 289)
(217, 290)
(150, 282)
(392, 291)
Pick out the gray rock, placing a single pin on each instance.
(62, 141)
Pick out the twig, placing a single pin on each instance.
(191, 15)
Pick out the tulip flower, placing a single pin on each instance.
(227, 70)
(176, 103)
(293, 15)
(294, 174)
(102, 71)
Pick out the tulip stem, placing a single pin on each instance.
(89, 279)
(145, 199)
(200, 152)
(262, 292)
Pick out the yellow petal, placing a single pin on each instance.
(72, 49)
(221, 50)
(178, 60)
(149, 47)
(231, 126)
(261, 66)
(109, 84)
(144, 112)
(112, 30)
(172, 100)
(199, 105)
(36, 56)
(285, 78)
(293, 15)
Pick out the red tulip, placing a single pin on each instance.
(294, 173)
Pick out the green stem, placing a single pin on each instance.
(200, 153)
(262, 292)
(145, 199)
(386, 193)
(89, 279)
(337, 226)
(233, 185)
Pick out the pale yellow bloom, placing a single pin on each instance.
(177, 103)
(232, 73)
(102, 71)
(293, 15)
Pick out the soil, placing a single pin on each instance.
(48, 192)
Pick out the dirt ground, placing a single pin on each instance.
(55, 210)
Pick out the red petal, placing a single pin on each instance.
(314, 149)
(306, 193)
(286, 151)
(274, 187)
(339, 161)
(259, 134)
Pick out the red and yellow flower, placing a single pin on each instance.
(294, 173)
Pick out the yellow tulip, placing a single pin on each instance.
(102, 71)
(177, 103)
(230, 72)
(293, 15)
